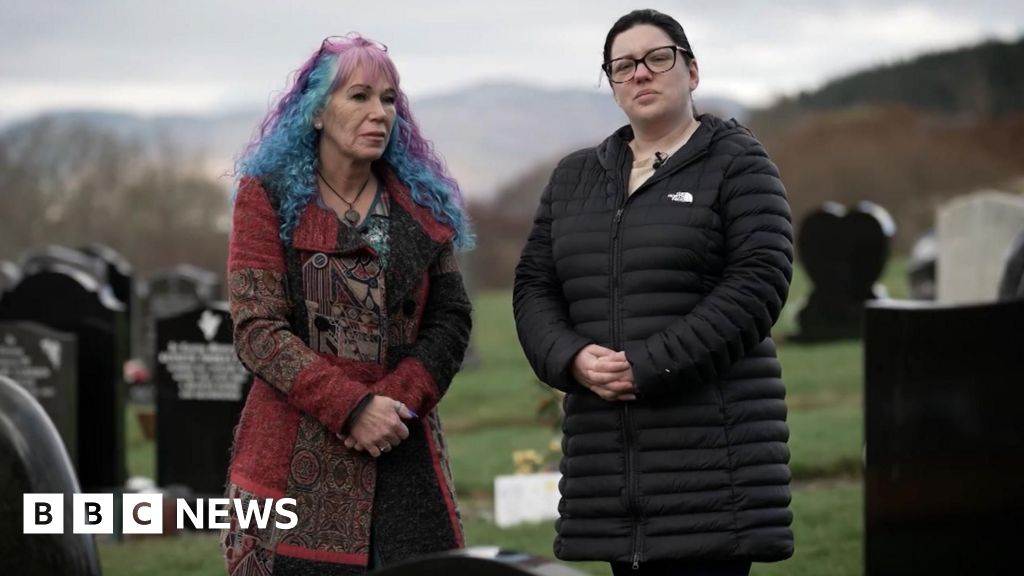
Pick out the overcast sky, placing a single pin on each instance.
(198, 56)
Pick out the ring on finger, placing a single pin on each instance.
(385, 448)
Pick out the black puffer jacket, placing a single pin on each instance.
(687, 275)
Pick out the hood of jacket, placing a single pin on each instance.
(616, 157)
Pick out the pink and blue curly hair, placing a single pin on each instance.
(284, 153)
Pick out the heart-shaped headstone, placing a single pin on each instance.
(844, 253)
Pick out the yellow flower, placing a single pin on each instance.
(526, 461)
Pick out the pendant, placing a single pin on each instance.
(352, 216)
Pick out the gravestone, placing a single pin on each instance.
(178, 289)
(117, 268)
(120, 277)
(201, 388)
(171, 292)
(10, 274)
(44, 362)
(42, 259)
(921, 268)
(1012, 283)
(975, 233)
(945, 439)
(521, 498)
(33, 460)
(65, 298)
(844, 253)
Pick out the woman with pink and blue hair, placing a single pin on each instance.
(350, 311)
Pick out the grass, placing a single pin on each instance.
(828, 525)
(491, 412)
(479, 456)
(140, 454)
(194, 554)
(827, 528)
(826, 442)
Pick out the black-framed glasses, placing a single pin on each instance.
(658, 61)
(348, 38)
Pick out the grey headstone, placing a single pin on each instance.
(975, 233)
(44, 362)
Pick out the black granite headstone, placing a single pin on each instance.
(1012, 283)
(44, 362)
(118, 270)
(175, 290)
(944, 486)
(121, 279)
(844, 253)
(170, 292)
(65, 298)
(42, 259)
(922, 268)
(201, 388)
(33, 460)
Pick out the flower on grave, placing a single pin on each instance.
(527, 461)
(555, 446)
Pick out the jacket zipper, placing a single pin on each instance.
(632, 478)
(627, 424)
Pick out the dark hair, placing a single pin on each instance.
(668, 24)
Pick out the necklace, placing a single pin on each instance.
(351, 215)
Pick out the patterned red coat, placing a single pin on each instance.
(305, 386)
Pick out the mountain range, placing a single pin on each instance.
(488, 134)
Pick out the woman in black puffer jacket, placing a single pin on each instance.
(657, 264)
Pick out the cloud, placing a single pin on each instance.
(194, 55)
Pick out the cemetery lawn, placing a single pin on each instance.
(492, 411)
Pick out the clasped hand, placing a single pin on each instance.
(605, 372)
(379, 427)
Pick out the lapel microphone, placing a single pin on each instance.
(659, 160)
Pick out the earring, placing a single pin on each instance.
(318, 125)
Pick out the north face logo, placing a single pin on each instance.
(684, 197)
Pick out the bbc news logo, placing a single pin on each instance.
(144, 513)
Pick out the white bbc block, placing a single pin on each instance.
(525, 498)
(51, 507)
(93, 514)
(142, 513)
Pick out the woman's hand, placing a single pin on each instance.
(379, 427)
(605, 372)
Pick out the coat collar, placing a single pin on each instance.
(415, 236)
(616, 157)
